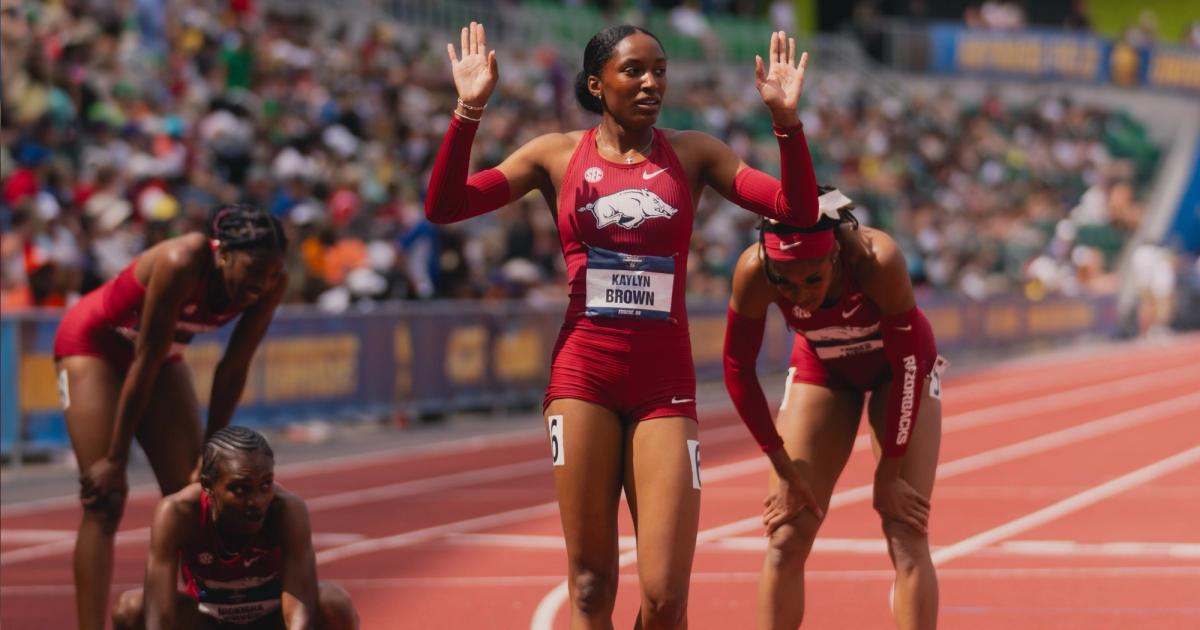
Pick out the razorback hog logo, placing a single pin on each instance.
(628, 208)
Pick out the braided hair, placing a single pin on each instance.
(240, 226)
(598, 51)
(225, 443)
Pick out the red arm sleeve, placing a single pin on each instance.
(910, 348)
(743, 338)
(794, 201)
(452, 196)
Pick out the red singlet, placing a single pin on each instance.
(104, 323)
(234, 586)
(839, 346)
(625, 230)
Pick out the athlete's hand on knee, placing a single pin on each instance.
(781, 82)
(791, 496)
(895, 499)
(103, 484)
(476, 72)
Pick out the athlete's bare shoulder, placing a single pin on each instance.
(181, 508)
(551, 144)
(683, 139)
(187, 252)
(750, 260)
(874, 258)
(751, 294)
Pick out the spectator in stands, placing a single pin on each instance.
(208, 105)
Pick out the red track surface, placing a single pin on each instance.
(1037, 522)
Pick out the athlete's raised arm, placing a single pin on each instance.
(452, 196)
(792, 199)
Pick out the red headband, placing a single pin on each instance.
(798, 246)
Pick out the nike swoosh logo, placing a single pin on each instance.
(787, 246)
(846, 314)
(680, 401)
(246, 563)
(904, 328)
(654, 174)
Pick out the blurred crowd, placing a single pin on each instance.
(1141, 32)
(125, 122)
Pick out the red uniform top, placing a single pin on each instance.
(625, 230)
(844, 337)
(105, 322)
(236, 586)
(849, 345)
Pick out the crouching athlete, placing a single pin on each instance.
(244, 546)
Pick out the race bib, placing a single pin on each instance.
(622, 285)
(239, 613)
(935, 377)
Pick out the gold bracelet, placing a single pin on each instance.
(466, 117)
(471, 107)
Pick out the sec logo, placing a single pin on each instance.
(593, 175)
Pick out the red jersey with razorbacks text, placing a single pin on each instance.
(235, 586)
(640, 212)
(844, 337)
(105, 322)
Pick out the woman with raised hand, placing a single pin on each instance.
(620, 408)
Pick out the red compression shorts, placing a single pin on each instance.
(639, 374)
(861, 373)
(82, 333)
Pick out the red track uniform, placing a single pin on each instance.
(624, 230)
(240, 586)
(848, 345)
(104, 323)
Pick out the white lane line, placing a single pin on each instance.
(67, 544)
(348, 462)
(547, 609)
(338, 500)
(406, 539)
(1028, 548)
(1075, 549)
(26, 536)
(1089, 395)
(978, 417)
(429, 484)
(816, 575)
(1062, 372)
(524, 541)
(1067, 506)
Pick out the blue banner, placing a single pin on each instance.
(1027, 54)
(10, 404)
(1185, 230)
(1047, 55)
(421, 358)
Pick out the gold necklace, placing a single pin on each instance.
(628, 159)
